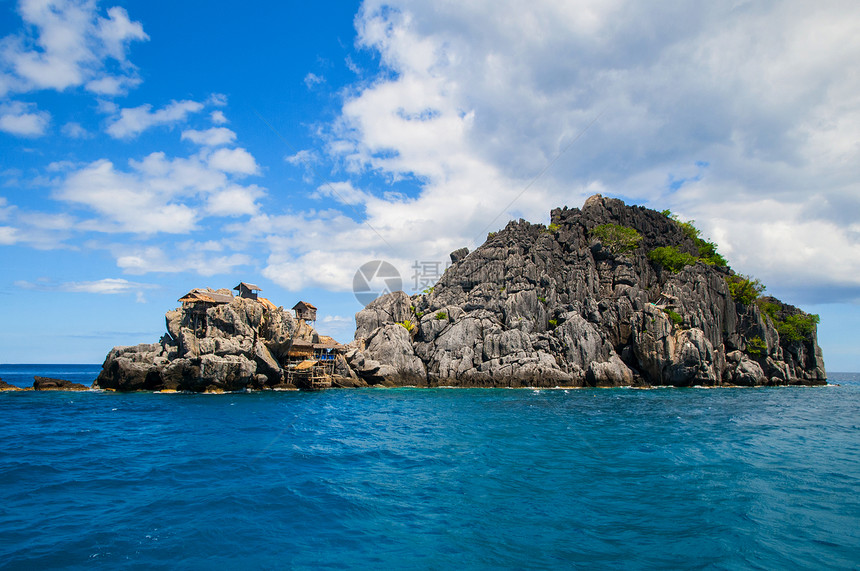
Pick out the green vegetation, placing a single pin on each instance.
(428, 291)
(755, 346)
(675, 317)
(542, 299)
(553, 227)
(441, 315)
(707, 251)
(671, 258)
(491, 235)
(745, 289)
(796, 327)
(407, 324)
(553, 323)
(770, 309)
(616, 238)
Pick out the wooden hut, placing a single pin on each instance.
(196, 302)
(305, 311)
(248, 291)
(300, 350)
(325, 351)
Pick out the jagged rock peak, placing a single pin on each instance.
(586, 302)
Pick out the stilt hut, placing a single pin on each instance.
(196, 302)
(248, 291)
(305, 311)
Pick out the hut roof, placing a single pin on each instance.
(303, 304)
(248, 286)
(326, 342)
(267, 304)
(206, 295)
(305, 365)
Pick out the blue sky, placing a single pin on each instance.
(149, 148)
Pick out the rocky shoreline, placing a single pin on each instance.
(608, 295)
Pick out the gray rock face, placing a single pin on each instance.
(553, 306)
(228, 347)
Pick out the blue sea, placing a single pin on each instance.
(765, 478)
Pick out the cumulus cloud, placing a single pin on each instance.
(66, 43)
(133, 121)
(234, 201)
(74, 131)
(8, 235)
(498, 110)
(158, 194)
(39, 230)
(214, 137)
(236, 161)
(23, 119)
(154, 259)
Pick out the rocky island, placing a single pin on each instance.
(606, 295)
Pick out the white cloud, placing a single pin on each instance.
(154, 259)
(158, 194)
(67, 44)
(214, 137)
(23, 119)
(217, 99)
(235, 201)
(305, 157)
(8, 236)
(236, 161)
(671, 105)
(312, 80)
(133, 121)
(107, 286)
(112, 85)
(218, 117)
(125, 201)
(343, 192)
(74, 131)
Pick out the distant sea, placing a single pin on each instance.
(764, 478)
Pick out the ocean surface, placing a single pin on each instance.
(765, 478)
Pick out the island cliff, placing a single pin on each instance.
(607, 295)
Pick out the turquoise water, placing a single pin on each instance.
(432, 479)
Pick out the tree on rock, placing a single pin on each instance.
(616, 238)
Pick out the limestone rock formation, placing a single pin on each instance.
(49, 384)
(4, 386)
(561, 306)
(226, 346)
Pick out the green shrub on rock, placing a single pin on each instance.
(744, 289)
(797, 327)
(674, 316)
(616, 238)
(755, 346)
(671, 258)
(793, 327)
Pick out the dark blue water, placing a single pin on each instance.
(433, 479)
